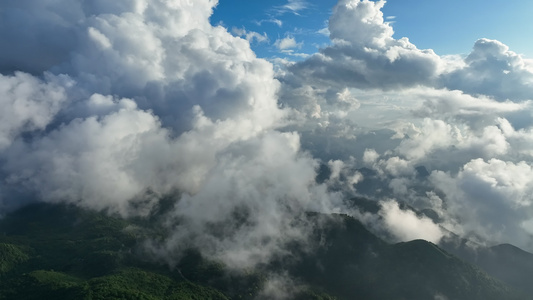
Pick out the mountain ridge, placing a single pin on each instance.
(65, 252)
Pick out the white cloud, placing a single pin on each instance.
(369, 28)
(490, 198)
(273, 20)
(521, 140)
(29, 103)
(405, 225)
(292, 6)
(153, 100)
(492, 69)
(370, 156)
(476, 111)
(346, 100)
(252, 195)
(92, 161)
(287, 43)
(365, 55)
(396, 167)
(324, 31)
(250, 36)
(446, 111)
(433, 134)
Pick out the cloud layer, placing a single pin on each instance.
(420, 123)
(148, 99)
(142, 99)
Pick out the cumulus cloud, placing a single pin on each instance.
(476, 111)
(494, 70)
(370, 156)
(490, 198)
(29, 103)
(210, 78)
(250, 36)
(405, 225)
(521, 140)
(87, 160)
(365, 55)
(245, 211)
(370, 30)
(139, 99)
(432, 134)
(148, 99)
(287, 43)
(445, 112)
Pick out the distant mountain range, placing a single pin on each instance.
(63, 252)
(504, 262)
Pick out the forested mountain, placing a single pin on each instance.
(62, 252)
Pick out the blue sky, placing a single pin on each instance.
(278, 19)
(447, 27)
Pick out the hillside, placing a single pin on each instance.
(352, 261)
(63, 252)
(505, 262)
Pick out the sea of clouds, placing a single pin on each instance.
(112, 105)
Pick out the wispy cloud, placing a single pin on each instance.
(391, 19)
(250, 36)
(293, 53)
(273, 20)
(325, 30)
(292, 6)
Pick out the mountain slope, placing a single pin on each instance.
(505, 262)
(63, 252)
(351, 262)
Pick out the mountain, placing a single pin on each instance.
(505, 262)
(352, 263)
(509, 264)
(63, 252)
